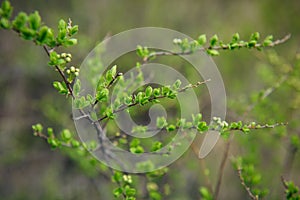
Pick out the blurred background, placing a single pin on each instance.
(29, 169)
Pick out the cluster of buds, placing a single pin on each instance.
(127, 178)
(73, 70)
(66, 56)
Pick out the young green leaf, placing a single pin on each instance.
(34, 21)
(60, 87)
(235, 38)
(43, 35)
(148, 91)
(6, 9)
(20, 21)
(255, 36)
(102, 95)
(27, 33)
(202, 39)
(214, 40)
(76, 87)
(62, 25)
(161, 122)
(73, 30)
(212, 52)
(5, 23)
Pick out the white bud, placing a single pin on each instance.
(72, 68)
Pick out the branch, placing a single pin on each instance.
(218, 47)
(152, 98)
(251, 195)
(61, 73)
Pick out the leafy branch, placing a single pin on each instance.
(291, 190)
(213, 47)
(247, 188)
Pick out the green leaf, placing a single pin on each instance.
(118, 192)
(128, 100)
(161, 122)
(66, 135)
(60, 87)
(202, 39)
(43, 35)
(139, 51)
(109, 113)
(255, 36)
(156, 146)
(165, 90)
(135, 142)
(37, 128)
(102, 95)
(214, 40)
(81, 102)
(202, 126)
(50, 39)
(20, 21)
(156, 92)
(196, 118)
(53, 58)
(142, 51)
(109, 76)
(137, 149)
(6, 9)
(5, 23)
(70, 42)
(117, 177)
(75, 143)
(50, 132)
(212, 52)
(34, 21)
(171, 127)
(53, 142)
(235, 38)
(27, 34)
(181, 123)
(62, 25)
(252, 43)
(268, 41)
(73, 30)
(114, 71)
(76, 87)
(90, 98)
(176, 85)
(148, 91)
(130, 191)
(245, 129)
(61, 36)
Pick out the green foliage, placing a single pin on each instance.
(30, 27)
(291, 190)
(249, 177)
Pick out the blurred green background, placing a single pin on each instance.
(30, 170)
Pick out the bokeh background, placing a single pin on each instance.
(29, 169)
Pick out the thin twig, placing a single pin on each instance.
(251, 195)
(124, 106)
(222, 47)
(68, 84)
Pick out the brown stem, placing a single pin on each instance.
(251, 195)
